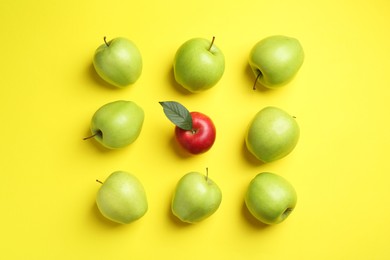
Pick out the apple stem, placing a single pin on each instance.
(207, 173)
(99, 181)
(287, 212)
(98, 132)
(212, 42)
(105, 41)
(257, 78)
(89, 137)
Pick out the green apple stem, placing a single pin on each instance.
(287, 212)
(207, 174)
(92, 136)
(212, 42)
(99, 181)
(105, 41)
(257, 78)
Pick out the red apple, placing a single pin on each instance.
(200, 138)
(194, 131)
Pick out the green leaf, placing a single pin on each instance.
(177, 114)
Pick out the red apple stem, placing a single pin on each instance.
(105, 41)
(212, 42)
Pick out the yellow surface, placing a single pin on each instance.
(49, 91)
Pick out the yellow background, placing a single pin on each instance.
(49, 92)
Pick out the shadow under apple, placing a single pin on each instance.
(251, 220)
(97, 79)
(178, 149)
(103, 220)
(175, 220)
(249, 157)
(172, 81)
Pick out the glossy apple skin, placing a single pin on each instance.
(122, 198)
(272, 134)
(196, 198)
(270, 198)
(117, 124)
(195, 67)
(202, 136)
(120, 63)
(278, 58)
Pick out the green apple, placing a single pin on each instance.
(122, 198)
(275, 60)
(117, 124)
(272, 134)
(196, 197)
(270, 198)
(198, 65)
(118, 62)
